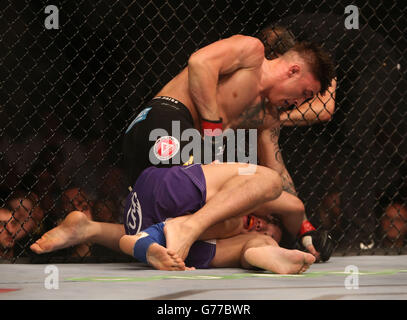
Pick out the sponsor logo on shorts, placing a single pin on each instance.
(231, 146)
(140, 117)
(134, 216)
(166, 147)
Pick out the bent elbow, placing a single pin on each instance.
(194, 61)
(297, 214)
(299, 208)
(197, 59)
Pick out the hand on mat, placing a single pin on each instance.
(318, 243)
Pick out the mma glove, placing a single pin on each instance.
(321, 240)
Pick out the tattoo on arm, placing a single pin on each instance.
(279, 157)
(288, 184)
(274, 135)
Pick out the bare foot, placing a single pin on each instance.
(72, 231)
(180, 234)
(162, 258)
(279, 260)
(158, 256)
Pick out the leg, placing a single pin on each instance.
(224, 229)
(229, 251)
(288, 207)
(76, 229)
(228, 195)
(276, 259)
(255, 250)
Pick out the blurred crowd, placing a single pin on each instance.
(44, 181)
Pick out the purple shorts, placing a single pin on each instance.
(161, 193)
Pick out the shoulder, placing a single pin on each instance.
(249, 42)
(238, 44)
(249, 49)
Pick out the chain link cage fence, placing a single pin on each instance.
(68, 93)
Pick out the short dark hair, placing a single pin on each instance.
(318, 60)
(276, 40)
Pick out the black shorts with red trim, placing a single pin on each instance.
(157, 137)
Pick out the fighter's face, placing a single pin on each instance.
(262, 226)
(294, 88)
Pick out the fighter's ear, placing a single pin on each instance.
(293, 70)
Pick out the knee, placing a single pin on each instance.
(272, 183)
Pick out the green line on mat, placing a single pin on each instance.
(263, 275)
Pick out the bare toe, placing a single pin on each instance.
(36, 248)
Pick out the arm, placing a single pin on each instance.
(270, 155)
(319, 109)
(219, 58)
(289, 208)
(286, 203)
(269, 152)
